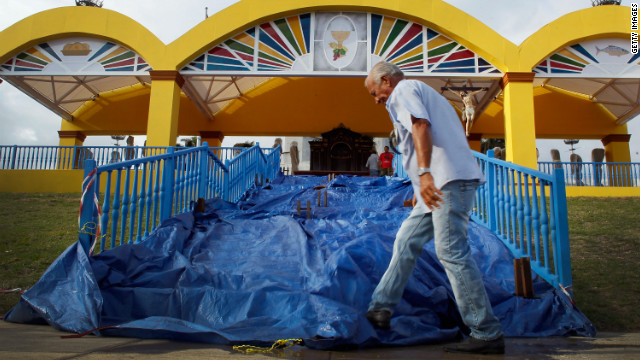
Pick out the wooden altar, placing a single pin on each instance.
(340, 150)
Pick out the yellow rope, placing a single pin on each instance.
(278, 346)
(89, 229)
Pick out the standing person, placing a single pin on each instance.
(130, 153)
(386, 162)
(372, 162)
(444, 176)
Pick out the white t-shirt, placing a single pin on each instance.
(372, 162)
(451, 158)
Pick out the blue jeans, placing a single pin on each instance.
(448, 225)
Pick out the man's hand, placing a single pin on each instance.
(430, 194)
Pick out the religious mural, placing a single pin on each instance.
(76, 55)
(610, 57)
(346, 42)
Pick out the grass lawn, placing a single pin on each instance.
(605, 250)
(605, 260)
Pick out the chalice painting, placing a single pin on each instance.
(340, 41)
(339, 50)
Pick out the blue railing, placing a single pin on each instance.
(140, 193)
(72, 157)
(69, 157)
(611, 174)
(527, 210)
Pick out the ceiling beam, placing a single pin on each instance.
(492, 94)
(628, 115)
(192, 94)
(43, 100)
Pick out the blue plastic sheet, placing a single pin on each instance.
(255, 272)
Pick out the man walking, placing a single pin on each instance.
(444, 176)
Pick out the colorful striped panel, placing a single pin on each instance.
(281, 43)
(123, 59)
(37, 58)
(570, 60)
(29, 60)
(398, 41)
(448, 56)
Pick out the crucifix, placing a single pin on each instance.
(465, 93)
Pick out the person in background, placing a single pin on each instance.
(444, 176)
(386, 162)
(130, 153)
(372, 162)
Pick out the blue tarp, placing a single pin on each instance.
(255, 272)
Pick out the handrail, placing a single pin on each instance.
(527, 210)
(148, 190)
(39, 157)
(609, 174)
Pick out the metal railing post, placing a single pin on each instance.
(166, 188)
(203, 175)
(86, 231)
(13, 157)
(226, 178)
(492, 219)
(562, 251)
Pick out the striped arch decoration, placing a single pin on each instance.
(398, 41)
(278, 46)
(29, 60)
(299, 44)
(74, 56)
(610, 57)
(446, 56)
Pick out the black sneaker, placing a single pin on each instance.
(476, 346)
(380, 319)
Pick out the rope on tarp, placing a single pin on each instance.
(278, 346)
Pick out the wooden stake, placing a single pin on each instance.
(200, 205)
(523, 282)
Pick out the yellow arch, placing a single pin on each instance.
(436, 14)
(591, 23)
(587, 24)
(81, 21)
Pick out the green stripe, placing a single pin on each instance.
(284, 27)
(395, 31)
(566, 60)
(239, 47)
(127, 55)
(269, 57)
(31, 58)
(442, 49)
(410, 60)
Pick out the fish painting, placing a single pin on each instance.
(613, 50)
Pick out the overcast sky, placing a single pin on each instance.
(25, 122)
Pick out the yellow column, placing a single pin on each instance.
(519, 119)
(164, 108)
(68, 156)
(616, 147)
(475, 141)
(616, 150)
(213, 138)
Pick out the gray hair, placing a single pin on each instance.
(384, 68)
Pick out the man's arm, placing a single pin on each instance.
(421, 133)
